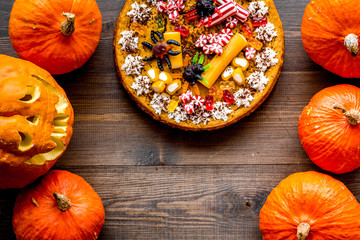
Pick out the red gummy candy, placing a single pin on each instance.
(257, 22)
(247, 30)
(209, 102)
(228, 97)
(184, 32)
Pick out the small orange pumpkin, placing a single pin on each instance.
(36, 121)
(310, 206)
(329, 128)
(330, 34)
(62, 206)
(59, 36)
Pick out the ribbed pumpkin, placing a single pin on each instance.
(329, 128)
(36, 121)
(59, 36)
(310, 206)
(62, 206)
(330, 30)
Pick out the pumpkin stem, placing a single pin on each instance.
(68, 27)
(353, 116)
(63, 202)
(352, 44)
(303, 231)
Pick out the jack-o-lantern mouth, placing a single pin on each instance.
(60, 124)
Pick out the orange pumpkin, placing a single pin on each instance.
(329, 128)
(310, 206)
(59, 36)
(330, 31)
(36, 121)
(62, 206)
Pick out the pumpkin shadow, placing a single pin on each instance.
(330, 79)
(7, 201)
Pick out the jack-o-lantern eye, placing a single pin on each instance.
(31, 95)
(33, 119)
(26, 142)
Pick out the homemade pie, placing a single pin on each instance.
(199, 65)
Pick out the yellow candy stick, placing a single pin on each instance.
(176, 61)
(220, 62)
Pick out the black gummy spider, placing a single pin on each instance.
(192, 73)
(161, 49)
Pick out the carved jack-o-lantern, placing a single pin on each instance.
(36, 121)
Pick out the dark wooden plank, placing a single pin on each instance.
(203, 185)
(182, 202)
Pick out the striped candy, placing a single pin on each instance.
(189, 107)
(207, 49)
(180, 5)
(250, 53)
(241, 13)
(161, 6)
(186, 97)
(216, 48)
(170, 7)
(174, 16)
(213, 37)
(227, 31)
(227, 10)
(224, 39)
(198, 101)
(201, 41)
(231, 22)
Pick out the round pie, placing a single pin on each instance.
(199, 65)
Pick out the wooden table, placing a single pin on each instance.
(162, 183)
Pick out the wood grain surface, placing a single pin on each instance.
(162, 183)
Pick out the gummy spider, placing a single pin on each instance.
(161, 49)
(192, 73)
(203, 8)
